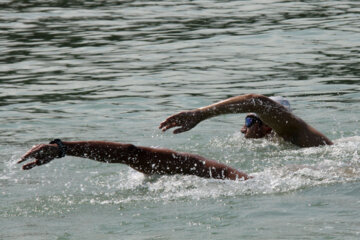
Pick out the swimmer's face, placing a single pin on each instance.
(254, 127)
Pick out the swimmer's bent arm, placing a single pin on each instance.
(255, 103)
(143, 159)
(276, 116)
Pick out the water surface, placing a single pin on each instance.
(90, 70)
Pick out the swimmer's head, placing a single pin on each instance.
(254, 127)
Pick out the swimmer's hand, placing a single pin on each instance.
(184, 120)
(42, 153)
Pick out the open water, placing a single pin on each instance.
(113, 70)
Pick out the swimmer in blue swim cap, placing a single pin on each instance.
(267, 115)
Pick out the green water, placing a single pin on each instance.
(95, 70)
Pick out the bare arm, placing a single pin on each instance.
(283, 122)
(143, 159)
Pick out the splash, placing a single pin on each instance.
(66, 185)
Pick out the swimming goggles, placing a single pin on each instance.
(251, 120)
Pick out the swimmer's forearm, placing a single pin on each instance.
(152, 160)
(101, 151)
(238, 104)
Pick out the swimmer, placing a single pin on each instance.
(267, 116)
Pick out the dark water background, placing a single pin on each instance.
(113, 70)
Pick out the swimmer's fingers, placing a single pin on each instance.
(170, 122)
(35, 163)
(31, 153)
(172, 125)
(167, 124)
(182, 129)
(179, 130)
(29, 165)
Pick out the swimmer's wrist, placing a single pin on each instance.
(205, 113)
(61, 146)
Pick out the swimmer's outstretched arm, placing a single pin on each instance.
(276, 116)
(143, 159)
